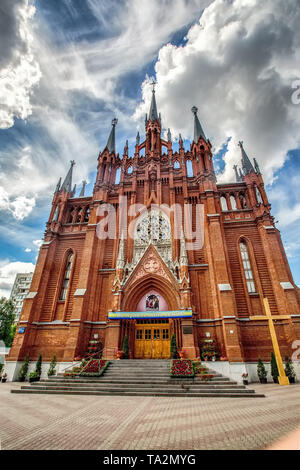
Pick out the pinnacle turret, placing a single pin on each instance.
(111, 143)
(246, 163)
(67, 184)
(198, 131)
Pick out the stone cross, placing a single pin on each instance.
(282, 379)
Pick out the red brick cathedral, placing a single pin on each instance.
(158, 280)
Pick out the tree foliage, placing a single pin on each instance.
(7, 318)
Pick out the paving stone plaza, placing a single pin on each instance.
(48, 422)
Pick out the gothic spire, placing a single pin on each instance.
(246, 164)
(111, 143)
(84, 183)
(257, 169)
(67, 184)
(169, 136)
(237, 175)
(198, 131)
(153, 114)
(58, 186)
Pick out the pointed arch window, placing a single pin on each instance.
(130, 170)
(176, 165)
(118, 176)
(258, 196)
(224, 203)
(189, 168)
(247, 268)
(67, 276)
(233, 203)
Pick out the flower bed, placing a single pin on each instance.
(181, 368)
(92, 368)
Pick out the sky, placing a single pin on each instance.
(67, 68)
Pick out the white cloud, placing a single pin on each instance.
(22, 206)
(237, 66)
(22, 72)
(8, 271)
(38, 243)
(28, 250)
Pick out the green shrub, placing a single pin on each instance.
(173, 346)
(51, 370)
(261, 370)
(24, 369)
(38, 366)
(1, 367)
(125, 347)
(289, 368)
(274, 368)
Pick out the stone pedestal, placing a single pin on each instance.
(112, 340)
(188, 339)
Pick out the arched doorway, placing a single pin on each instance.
(151, 337)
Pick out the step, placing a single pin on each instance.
(160, 394)
(141, 386)
(137, 381)
(144, 391)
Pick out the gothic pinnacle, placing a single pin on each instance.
(198, 131)
(111, 143)
(246, 164)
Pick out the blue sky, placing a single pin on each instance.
(67, 68)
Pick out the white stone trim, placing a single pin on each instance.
(31, 295)
(287, 285)
(224, 287)
(79, 292)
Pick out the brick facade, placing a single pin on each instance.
(211, 282)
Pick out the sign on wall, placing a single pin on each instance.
(150, 314)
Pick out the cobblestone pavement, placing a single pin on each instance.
(158, 423)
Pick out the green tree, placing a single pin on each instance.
(24, 370)
(289, 368)
(173, 346)
(125, 347)
(51, 370)
(38, 366)
(261, 370)
(7, 318)
(274, 368)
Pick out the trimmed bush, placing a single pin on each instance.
(51, 370)
(289, 369)
(125, 347)
(274, 368)
(261, 370)
(173, 347)
(38, 366)
(24, 369)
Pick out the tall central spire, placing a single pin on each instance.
(153, 114)
(198, 131)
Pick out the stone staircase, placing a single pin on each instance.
(139, 377)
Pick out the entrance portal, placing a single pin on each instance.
(152, 339)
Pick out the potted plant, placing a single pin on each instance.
(245, 378)
(33, 377)
(274, 368)
(24, 369)
(52, 370)
(36, 374)
(119, 354)
(289, 370)
(261, 371)
(181, 353)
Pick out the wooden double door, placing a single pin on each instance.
(152, 339)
